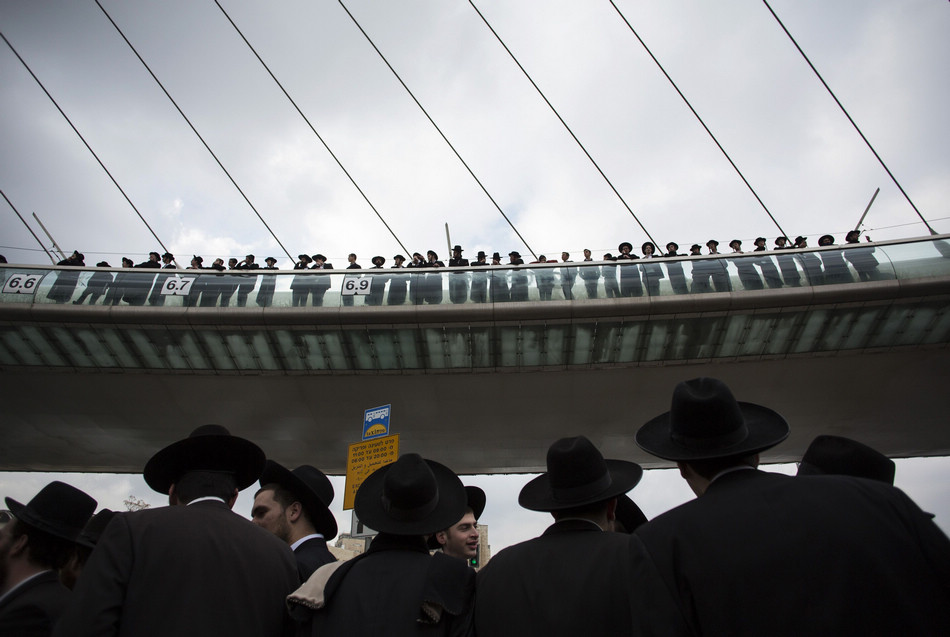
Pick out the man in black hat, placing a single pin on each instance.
(398, 283)
(396, 588)
(479, 278)
(33, 547)
(458, 281)
(518, 278)
(767, 554)
(576, 579)
(293, 505)
(836, 455)
(85, 543)
(461, 539)
(192, 568)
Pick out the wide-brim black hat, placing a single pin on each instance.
(381, 260)
(207, 448)
(481, 253)
(59, 509)
(312, 487)
(496, 256)
(629, 514)
(835, 455)
(270, 259)
(625, 243)
(457, 249)
(412, 496)
(712, 241)
(476, 502)
(705, 421)
(91, 533)
(674, 244)
(578, 475)
(825, 237)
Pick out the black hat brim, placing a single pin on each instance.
(368, 504)
(317, 509)
(226, 453)
(537, 495)
(766, 428)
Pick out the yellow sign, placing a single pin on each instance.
(363, 458)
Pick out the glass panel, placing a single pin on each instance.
(364, 354)
(312, 350)
(556, 337)
(191, 349)
(114, 340)
(920, 259)
(334, 350)
(482, 350)
(627, 344)
(145, 349)
(97, 348)
(583, 343)
(217, 350)
(458, 347)
(291, 349)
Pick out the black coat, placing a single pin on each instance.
(310, 556)
(574, 580)
(392, 589)
(199, 569)
(767, 554)
(33, 608)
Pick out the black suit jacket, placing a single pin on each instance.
(767, 554)
(183, 570)
(574, 580)
(33, 608)
(310, 556)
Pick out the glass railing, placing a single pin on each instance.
(571, 281)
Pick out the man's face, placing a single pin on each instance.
(586, 254)
(461, 539)
(270, 515)
(153, 258)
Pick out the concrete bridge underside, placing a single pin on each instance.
(490, 386)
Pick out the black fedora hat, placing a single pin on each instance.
(836, 455)
(312, 487)
(629, 514)
(381, 260)
(495, 256)
(674, 244)
(59, 509)
(412, 496)
(705, 421)
(207, 448)
(457, 248)
(625, 243)
(476, 502)
(578, 475)
(481, 254)
(399, 258)
(91, 533)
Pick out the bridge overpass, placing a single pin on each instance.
(845, 340)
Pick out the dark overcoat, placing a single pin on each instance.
(310, 556)
(574, 580)
(32, 609)
(767, 554)
(195, 570)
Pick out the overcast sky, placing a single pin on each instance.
(885, 60)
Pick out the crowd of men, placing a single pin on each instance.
(836, 550)
(616, 277)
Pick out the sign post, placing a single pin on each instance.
(363, 458)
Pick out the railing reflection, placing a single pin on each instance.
(570, 281)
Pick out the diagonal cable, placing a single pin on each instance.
(325, 145)
(853, 123)
(561, 119)
(88, 147)
(432, 121)
(195, 130)
(699, 119)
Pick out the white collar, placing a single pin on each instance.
(293, 547)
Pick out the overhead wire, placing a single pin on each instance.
(699, 119)
(436, 126)
(195, 130)
(312, 128)
(564, 123)
(846, 114)
(83, 139)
